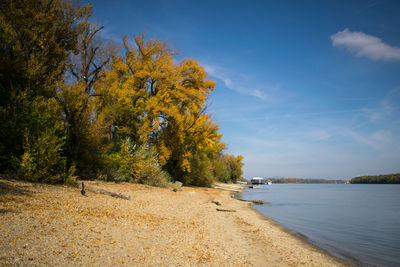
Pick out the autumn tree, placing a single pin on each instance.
(36, 38)
(151, 98)
(70, 101)
(86, 131)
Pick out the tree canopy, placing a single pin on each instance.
(377, 179)
(74, 104)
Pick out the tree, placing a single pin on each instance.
(68, 99)
(42, 160)
(201, 173)
(228, 168)
(377, 179)
(150, 98)
(86, 130)
(36, 38)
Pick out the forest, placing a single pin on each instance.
(377, 179)
(74, 105)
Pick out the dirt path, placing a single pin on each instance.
(57, 226)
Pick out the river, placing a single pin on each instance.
(357, 222)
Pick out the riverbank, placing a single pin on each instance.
(56, 225)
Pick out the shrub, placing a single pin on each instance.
(201, 171)
(220, 169)
(228, 168)
(42, 160)
(138, 164)
(71, 177)
(235, 166)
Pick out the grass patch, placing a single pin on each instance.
(259, 202)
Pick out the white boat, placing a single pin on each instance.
(257, 180)
(269, 182)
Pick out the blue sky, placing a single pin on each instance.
(304, 88)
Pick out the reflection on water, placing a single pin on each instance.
(360, 221)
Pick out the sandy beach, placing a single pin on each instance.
(57, 226)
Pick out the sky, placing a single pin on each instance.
(306, 89)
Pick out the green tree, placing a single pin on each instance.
(377, 179)
(235, 165)
(201, 173)
(137, 163)
(36, 38)
(42, 160)
(221, 169)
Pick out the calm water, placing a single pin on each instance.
(351, 221)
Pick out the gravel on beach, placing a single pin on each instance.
(58, 226)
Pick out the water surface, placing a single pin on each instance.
(352, 221)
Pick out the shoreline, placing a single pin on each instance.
(55, 225)
(306, 242)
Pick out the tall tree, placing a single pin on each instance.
(153, 99)
(36, 38)
(85, 129)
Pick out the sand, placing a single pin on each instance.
(55, 225)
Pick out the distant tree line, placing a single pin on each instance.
(305, 181)
(377, 179)
(74, 105)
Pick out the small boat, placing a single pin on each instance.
(269, 182)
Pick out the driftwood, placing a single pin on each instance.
(216, 202)
(226, 210)
(259, 202)
(83, 189)
(105, 192)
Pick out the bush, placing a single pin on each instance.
(228, 168)
(220, 169)
(71, 177)
(201, 171)
(235, 165)
(42, 160)
(138, 164)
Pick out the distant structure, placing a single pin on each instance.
(257, 180)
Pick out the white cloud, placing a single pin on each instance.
(365, 45)
(234, 81)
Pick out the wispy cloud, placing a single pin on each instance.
(320, 134)
(382, 136)
(386, 107)
(365, 45)
(369, 5)
(235, 81)
(380, 140)
(360, 138)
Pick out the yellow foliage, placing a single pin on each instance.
(154, 99)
